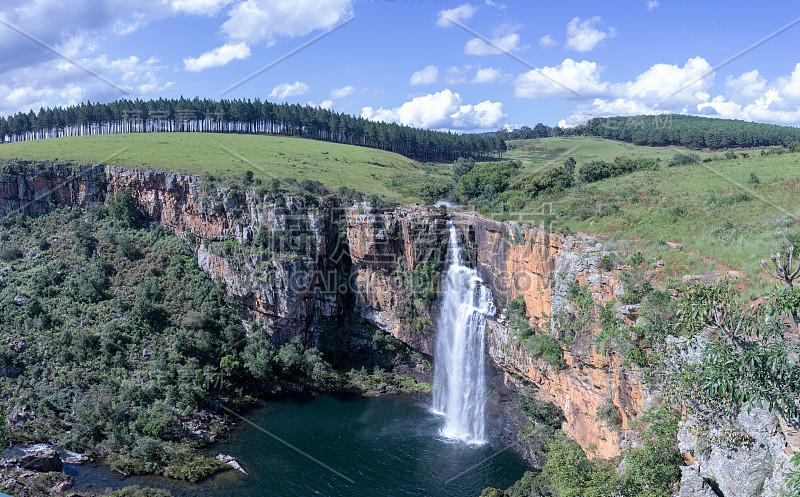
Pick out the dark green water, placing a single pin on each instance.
(388, 447)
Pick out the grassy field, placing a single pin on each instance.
(335, 165)
(720, 215)
(539, 153)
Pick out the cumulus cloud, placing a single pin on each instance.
(500, 44)
(217, 57)
(458, 14)
(425, 76)
(753, 98)
(57, 82)
(583, 36)
(654, 91)
(581, 77)
(199, 7)
(254, 21)
(487, 75)
(342, 92)
(547, 41)
(326, 104)
(659, 83)
(748, 96)
(441, 110)
(285, 90)
(652, 4)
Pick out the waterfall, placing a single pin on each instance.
(459, 380)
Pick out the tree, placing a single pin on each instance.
(569, 166)
(124, 209)
(747, 360)
(787, 274)
(3, 433)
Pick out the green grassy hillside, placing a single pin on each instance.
(724, 214)
(335, 165)
(542, 152)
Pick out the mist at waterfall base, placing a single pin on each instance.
(388, 447)
(459, 377)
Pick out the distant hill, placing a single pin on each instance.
(671, 129)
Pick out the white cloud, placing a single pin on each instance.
(496, 5)
(652, 4)
(254, 21)
(326, 104)
(285, 90)
(748, 96)
(583, 36)
(659, 83)
(441, 110)
(457, 14)
(581, 77)
(501, 44)
(217, 57)
(53, 83)
(752, 98)
(425, 76)
(199, 7)
(487, 75)
(342, 92)
(547, 41)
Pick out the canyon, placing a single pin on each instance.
(383, 265)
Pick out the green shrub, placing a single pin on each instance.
(132, 491)
(496, 175)
(608, 263)
(123, 208)
(552, 180)
(683, 158)
(609, 413)
(10, 253)
(3, 433)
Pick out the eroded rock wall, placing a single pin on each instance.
(514, 261)
(285, 285)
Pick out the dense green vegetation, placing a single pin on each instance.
(671, 129)
(690, 131)
(244, 116)
(113, 340)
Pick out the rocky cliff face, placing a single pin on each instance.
(515, 262)
(283, 282)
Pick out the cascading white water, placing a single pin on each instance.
(459, 381)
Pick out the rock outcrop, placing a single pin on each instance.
(41, 460)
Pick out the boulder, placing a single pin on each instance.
(41, 460)
(232, 462)
(693, 484)
(62, 486)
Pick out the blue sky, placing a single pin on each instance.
(403, 61)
